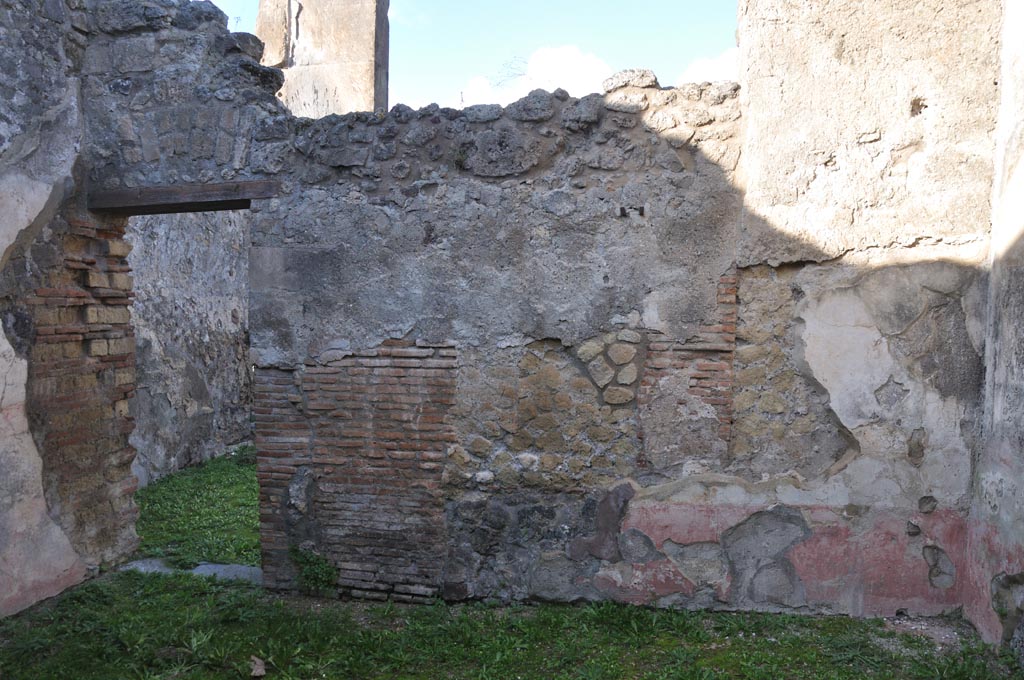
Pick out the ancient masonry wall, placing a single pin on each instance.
(81, 374)
(998, 501)
(584, 348)
(334, 54)
(886, 184)
(39, 128)
(190, 311)
(191, 319)
(353, 452)
(68, 349)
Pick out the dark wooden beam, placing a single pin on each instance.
(182, 198)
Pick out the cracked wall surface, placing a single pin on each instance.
(334, 54)
(191, 320)
(998, 501)
(708, 346)
(862, 138)
(39, 127)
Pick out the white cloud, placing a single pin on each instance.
(548, 68)
(406, 14)
(723, 67)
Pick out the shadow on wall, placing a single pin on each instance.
(853, 385)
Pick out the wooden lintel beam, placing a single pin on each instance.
(182, 198)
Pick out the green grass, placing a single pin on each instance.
(208, 513)
(129, 625)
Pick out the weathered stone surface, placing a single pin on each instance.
(627, 375)
(941, 571)
(190, 315)
(334, 54)
(826, 193)
(629, 335)
(541, 418)
(604, 543)
(703, 563)
(483, 113)
(462, 255)
(634, 77)
(756, 549)
(637, 548)
(40, 129)
(618, 395)
(534, 107)
(998, 502)
(600, 371)
(627, 102)
(621, 353)
(590, 349)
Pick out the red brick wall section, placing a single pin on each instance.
(372, 431)
(81, 375)
(707, 358)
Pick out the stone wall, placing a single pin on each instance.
(190, 314)
(334, 53)
(862, 377)
(661, 346)
(998, 502)
(182, 85)
(572, 256)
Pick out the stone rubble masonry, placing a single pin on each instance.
(350, 455)
(190, 315)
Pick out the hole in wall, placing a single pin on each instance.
(917, 106)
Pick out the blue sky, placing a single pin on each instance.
(468, 52)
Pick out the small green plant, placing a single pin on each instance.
(460, 157)
(317, 576)
(244, 454)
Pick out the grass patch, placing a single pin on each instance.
(208, 513)
(129, 625)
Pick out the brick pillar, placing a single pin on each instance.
(350, 463)
(81, 376)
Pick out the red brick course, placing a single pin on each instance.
(706, 358)
(373, 430)
(81, 374)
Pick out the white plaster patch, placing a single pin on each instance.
(21, 200)
(847, 355)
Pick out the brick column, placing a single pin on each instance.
(81, 376)
(350, 462)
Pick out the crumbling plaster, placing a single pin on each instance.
(334, 54)
(40, 124)
(998, 501)
(591, 349)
